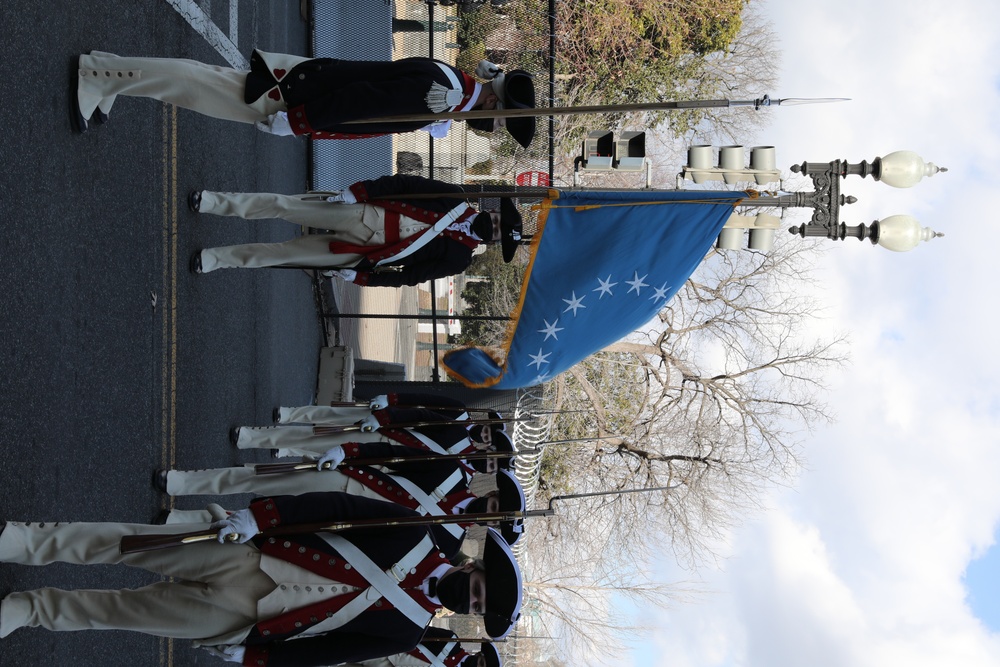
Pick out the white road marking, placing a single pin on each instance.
(204, 26)
(234, 21)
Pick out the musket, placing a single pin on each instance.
(289, 466)
(302, 466)
(465, 640)
(131, 544)
(682, 105)
(366, 404)
(137, 543)
(333, 430)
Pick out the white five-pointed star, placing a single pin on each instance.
(574, 303)
(550, 330)
(541, 377)
(605, 287)
(659, 292)
(636, 284)
(538, 359)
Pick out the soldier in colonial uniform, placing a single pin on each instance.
(305, 599)
(435, 488)
(373, 232)
(291, 95)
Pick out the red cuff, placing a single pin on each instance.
(361, 278)
(298, 120)
(359, 191)
(255, 656)
(265, 512)
(352, 450)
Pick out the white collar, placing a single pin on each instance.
(426, 586)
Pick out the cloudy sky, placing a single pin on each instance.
(883, 553)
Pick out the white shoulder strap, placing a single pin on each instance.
(427, 235)
(432, 657)
(387, 585)
(429, 502)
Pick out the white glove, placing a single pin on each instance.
(334, 456)
(380, 402)
(347, 275)
(240, 523)
(228, 653)
(369, 424)
(438, 129)
(276, 124)
(487, 70)
(342, 197)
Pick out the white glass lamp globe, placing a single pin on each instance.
(904, 169)
(900, 233)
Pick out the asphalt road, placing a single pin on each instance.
(114, 358)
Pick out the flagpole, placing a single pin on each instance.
(680, 105)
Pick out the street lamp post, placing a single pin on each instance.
(901, 169)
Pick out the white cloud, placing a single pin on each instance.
(862, 563)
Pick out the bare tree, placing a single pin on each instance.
(707, 406)
(604, 60)
(746, 69)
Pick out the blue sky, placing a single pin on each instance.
(982, 580)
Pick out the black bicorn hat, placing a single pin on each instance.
(503, 586)
(491, 654)
(510, 228)
(511, 497)
(514, 90)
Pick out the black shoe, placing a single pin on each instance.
(234, 435)
(161, 518)
(196, 262)
(194, 200)
(160, 480)
(276, 415)
(101, 117)
(274, 454)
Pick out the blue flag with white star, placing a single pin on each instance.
(602, 265)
